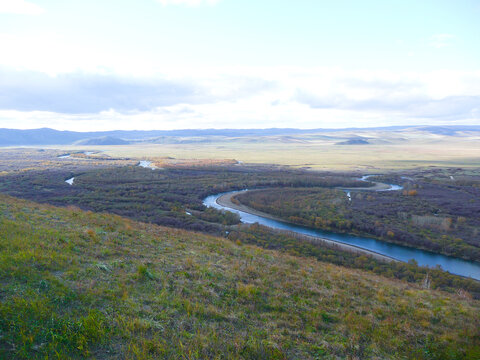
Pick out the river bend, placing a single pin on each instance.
(397, 252)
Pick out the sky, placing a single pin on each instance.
(177, 64)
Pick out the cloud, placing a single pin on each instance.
(419, 107)
(21, 7)
(429, 97)
(238, 98)
(78, 93)
(441, 40)
(188, 2)
(436, 96)
(449, 108)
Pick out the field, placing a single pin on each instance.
(386, 150)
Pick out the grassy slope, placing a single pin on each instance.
(79, 284)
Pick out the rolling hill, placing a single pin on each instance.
(46, 136)
(79, 284)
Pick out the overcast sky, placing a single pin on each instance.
(175, 64)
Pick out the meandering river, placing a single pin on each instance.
(397, 252)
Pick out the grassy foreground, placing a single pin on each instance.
(78, 284)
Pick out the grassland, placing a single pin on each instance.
(79, 284)
(28, 159)
(386, 150)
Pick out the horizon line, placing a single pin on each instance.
(251, 129)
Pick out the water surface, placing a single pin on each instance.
(398, 252)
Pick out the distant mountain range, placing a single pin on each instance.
(46, 136)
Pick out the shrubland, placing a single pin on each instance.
(437, 217)
(162, 196)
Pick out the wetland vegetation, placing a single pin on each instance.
(443, 218)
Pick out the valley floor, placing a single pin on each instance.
(226, 200)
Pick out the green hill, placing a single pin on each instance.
(79, 284)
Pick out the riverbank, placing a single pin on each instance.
(226, 201)
(378, 186)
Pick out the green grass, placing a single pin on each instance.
(77, 284)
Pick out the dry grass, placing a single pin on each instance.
(408, 150)
(80, 284)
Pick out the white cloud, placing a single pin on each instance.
(21, 7)
(237, 97)
(441, 40)
(188, 2)
(82, 93)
